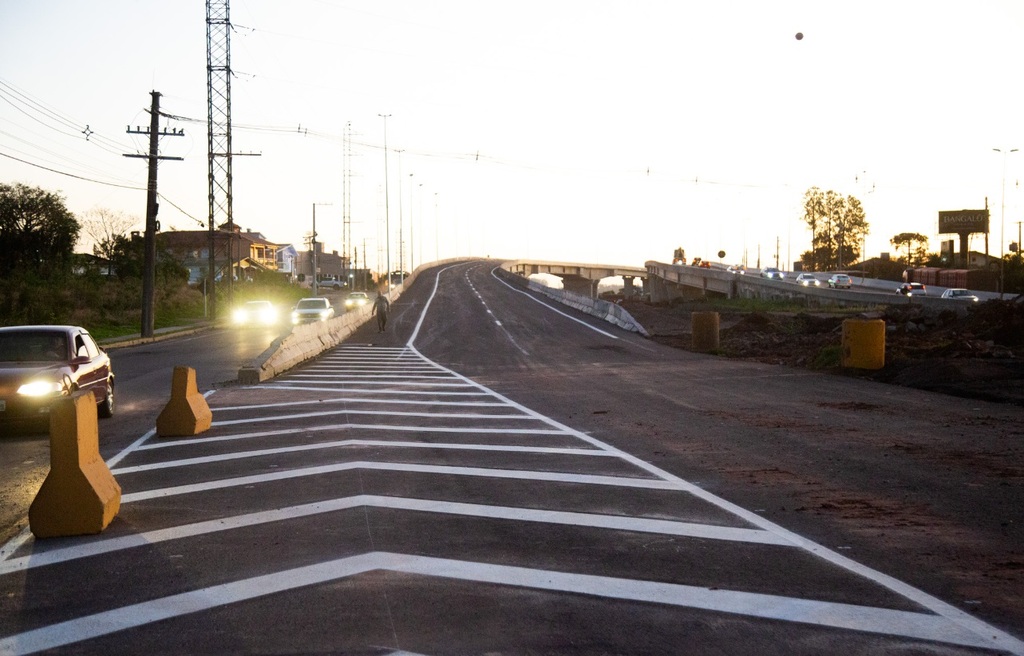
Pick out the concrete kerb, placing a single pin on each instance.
(158, 336)
(307, 341)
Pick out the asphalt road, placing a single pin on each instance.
(495, 474)
(142, 386)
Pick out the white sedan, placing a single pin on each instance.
(957, 294)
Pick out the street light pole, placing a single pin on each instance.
(1002, 226)
(387, 218)
(315, 286)
(412, 240)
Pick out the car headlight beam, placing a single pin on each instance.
(40, 388)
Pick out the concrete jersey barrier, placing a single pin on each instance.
(610, 312)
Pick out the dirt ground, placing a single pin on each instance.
(945, 500)
(973, 351)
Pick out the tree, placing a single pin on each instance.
(107, 229)
(838, 226)
(916, 246)
(37, 231)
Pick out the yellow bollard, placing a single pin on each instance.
(863, 345)
(704, 327)
(79, 495)
(187, 412)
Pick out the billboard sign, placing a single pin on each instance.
(963, 221)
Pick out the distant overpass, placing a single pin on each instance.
(662, 283)
(579, 279)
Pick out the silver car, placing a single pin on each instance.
(315, 308)
(840, 280)
(958, 294)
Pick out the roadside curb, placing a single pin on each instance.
(158, 336)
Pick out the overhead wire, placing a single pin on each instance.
(50, 118)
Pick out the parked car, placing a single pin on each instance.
(356, 299)
(912, 289)
(840, 281)
(315, 308)
(958, 294)
(40, 364)
(255, 313)
(330, 283)
(807, 280)
(772, 272)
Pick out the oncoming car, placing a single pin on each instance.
(840, 280)
(807, 280)
(315, 308)
(255, 313)
(772, 272)
(40, 364)
(356, 299)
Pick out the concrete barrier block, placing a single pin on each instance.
(863, 343)
(79, 495)
(705, 331)
(187, 413)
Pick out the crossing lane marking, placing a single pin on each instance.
(881, 621)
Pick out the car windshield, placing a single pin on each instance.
(33, 346)
(312, 304)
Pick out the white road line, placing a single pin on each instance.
(375, 382)
(361, 376)
(591, 520)
(896, 623)
(440, 470)
(349, 399)
(398, 428)
(338, 444)
(373, 413)
(375, 392)
(920, 597)
(552, 308)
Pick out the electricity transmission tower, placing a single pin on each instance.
(218, 96)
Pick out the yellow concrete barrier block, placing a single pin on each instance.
(79, 495)
(704, 327)
(187, 412)
(863, 345)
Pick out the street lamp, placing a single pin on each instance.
(313, 246)
(1002, 226)
(387, 220)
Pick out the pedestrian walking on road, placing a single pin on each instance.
(380, 308)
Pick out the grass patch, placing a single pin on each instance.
(828, 357)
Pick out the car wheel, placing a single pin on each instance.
(106, 407)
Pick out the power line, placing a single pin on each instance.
(70, 175)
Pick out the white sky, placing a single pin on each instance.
(580, 130)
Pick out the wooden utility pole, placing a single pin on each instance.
(149, 263)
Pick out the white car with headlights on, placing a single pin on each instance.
(807, 280)
(958, 294)
(356, 299)
(255, 313)
(315, 308)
